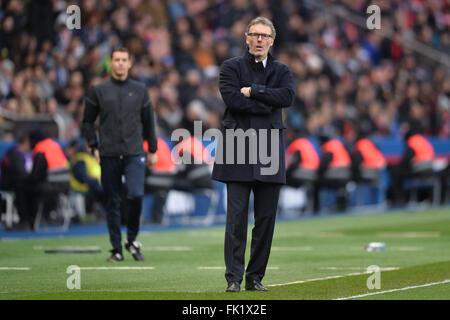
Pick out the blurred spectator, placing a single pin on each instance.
(367, 160)
(85, 176)
(49, 175)
(6, 77)
(334, 169)
(85, 170)
(303, 160)
(416, 160)
(15, 167)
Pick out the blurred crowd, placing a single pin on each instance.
(345, 74)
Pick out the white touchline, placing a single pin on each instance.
(117, 268)
(223, 268)
(316, 279)
(15, 268)
(395, 290)
(326, 278)
(358, 268)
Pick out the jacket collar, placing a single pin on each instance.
(251, 58)
(117, 81)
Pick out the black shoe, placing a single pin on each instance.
(254, 285)
(233, 287)
(135, 249)
(115, 256)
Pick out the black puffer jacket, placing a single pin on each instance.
(126, 118)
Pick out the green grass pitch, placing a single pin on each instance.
(313, 259)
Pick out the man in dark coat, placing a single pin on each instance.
(126, 120)
(250, 155)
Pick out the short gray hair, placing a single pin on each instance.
(264, 21)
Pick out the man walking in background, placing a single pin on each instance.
(126, 120)
(254, 88)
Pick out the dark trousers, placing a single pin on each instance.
(133, 168)
(265, 205)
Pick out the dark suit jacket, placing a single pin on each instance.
(272, 90)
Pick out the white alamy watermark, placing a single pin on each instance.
(374, 20)
(374, 281)
(240, 147)
(73, 20)
(74, 280)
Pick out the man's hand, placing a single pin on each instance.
(96, 155)
(151, 160)
(246, 91)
